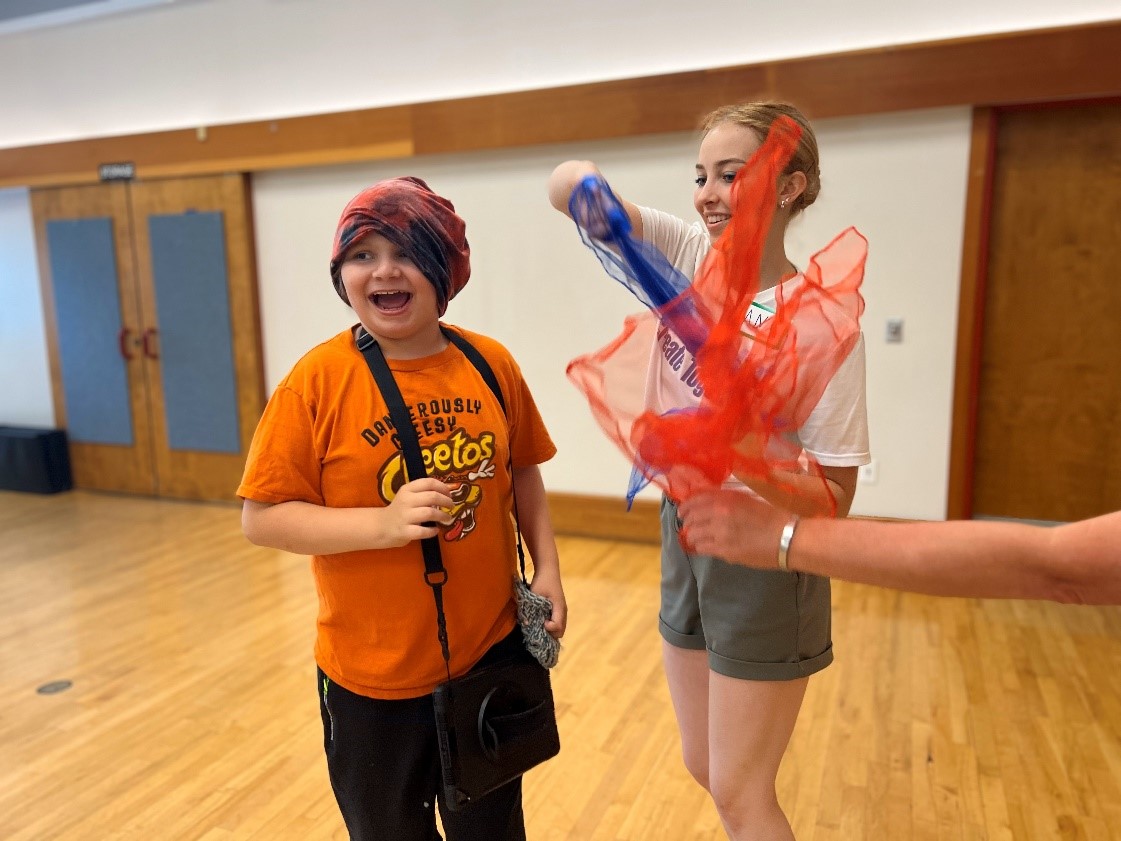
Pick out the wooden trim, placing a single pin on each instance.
(210, 150)
(1019, 67)
(40, 211)
(605, 517)
(971, 302)
(596, 111)
(254, 304)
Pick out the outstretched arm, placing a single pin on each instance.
(570, 173)
(1079, 562)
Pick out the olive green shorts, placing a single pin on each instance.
(755, 624)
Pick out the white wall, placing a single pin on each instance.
(25, 383)
(199, 62)
(899, 178)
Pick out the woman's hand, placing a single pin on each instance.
(734, 526)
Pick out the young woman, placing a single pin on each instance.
(739, 645)
(325, 478)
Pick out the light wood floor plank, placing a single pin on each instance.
(193, 715)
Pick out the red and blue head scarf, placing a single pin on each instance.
(422, 224)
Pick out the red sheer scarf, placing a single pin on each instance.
(757, 385)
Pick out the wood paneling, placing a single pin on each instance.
(605, 517)
(602, 110)
(1016, 67)
(238, 147)
(974, 265)
(1049, 391)
(193, 716)
(1033, 66)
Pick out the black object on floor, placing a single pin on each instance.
(34, 460)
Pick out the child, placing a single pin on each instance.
(325, 477)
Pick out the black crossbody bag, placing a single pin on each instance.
(494, 723)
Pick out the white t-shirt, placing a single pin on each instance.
(835, 433)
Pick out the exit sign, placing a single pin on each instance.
(116, 172)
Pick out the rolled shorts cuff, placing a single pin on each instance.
(693, 642)
(743, 670)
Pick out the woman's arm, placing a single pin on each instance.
(537, 529)
(837, 425)
(1079, 562)
(810, 496)
(308, 529)
(570, 173)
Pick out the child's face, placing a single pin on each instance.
(723, 152)
(390, 296)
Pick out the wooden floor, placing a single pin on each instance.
(193, 713)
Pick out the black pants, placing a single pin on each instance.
(385, 769)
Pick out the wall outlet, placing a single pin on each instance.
(893, 333)
(868, 473)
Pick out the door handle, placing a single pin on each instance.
(123, 343)
(148, 343)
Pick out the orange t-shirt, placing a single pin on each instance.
(326, 438)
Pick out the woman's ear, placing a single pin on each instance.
(790, 187)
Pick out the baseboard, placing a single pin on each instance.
(605, 517)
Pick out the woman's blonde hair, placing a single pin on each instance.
(758, 116)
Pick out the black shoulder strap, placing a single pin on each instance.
(434, 572)
(480, 362)
(477, 359)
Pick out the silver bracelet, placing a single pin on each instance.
(784, 542)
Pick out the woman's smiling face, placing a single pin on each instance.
(723, 153)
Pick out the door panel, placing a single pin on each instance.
(95, 371)
(198, 290)
(90, 301)
(1047, 445)
(197, 376)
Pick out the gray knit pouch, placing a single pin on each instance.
(533, 610)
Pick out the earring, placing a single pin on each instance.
(782, 204)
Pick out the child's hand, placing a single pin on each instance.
(419, 508)
(549, 586)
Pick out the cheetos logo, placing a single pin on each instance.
(467, 498)
(459, 461)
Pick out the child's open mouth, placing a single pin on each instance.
(391, 301)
